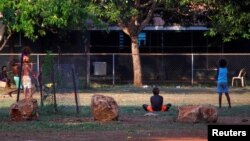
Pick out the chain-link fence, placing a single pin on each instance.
(165, 69)
(116, 69)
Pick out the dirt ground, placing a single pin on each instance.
(102, 136)
(168, 135)
(141, 135)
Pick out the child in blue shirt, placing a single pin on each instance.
(222, 82)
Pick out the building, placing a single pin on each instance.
(153, 39)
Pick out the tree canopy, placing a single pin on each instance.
(230, 18)
(36, 17)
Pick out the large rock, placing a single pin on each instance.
(25, 109)
(197, 113)
(104, 108)
(209, 113)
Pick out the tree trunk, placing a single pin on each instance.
(136, 61)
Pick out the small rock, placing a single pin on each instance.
(151, 114)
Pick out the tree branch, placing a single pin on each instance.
(146, 4)
(149, 16)
(5, 42)
(124, 28)
(2, 29)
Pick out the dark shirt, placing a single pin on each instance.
(15, 69)
(3, 76)
(156, 102)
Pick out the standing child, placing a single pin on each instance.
(26, 77)
(222, 82)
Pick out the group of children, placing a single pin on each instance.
(156, 100)
(26, 71)
(222, 87)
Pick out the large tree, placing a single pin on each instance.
(133, 15)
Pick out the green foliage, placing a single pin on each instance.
(230, 19)
(110, 11)
(36, 17)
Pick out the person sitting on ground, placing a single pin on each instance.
(4, 76)
(156, 102)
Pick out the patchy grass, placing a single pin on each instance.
(132, 121)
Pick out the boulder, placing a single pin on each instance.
(209, 113)
(26, 109)
(197, 113)
(104, 108)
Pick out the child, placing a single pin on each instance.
(156, 102)
(222, 81)
(15, 78)
(26, 79)
(4, 76)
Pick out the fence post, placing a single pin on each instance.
(75, 89)
(87, 55)
(54, 89)
(39, 78)
(38, 62)
(113, 71)
(192, 69)
(20, 77)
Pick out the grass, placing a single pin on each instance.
(131, 117)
